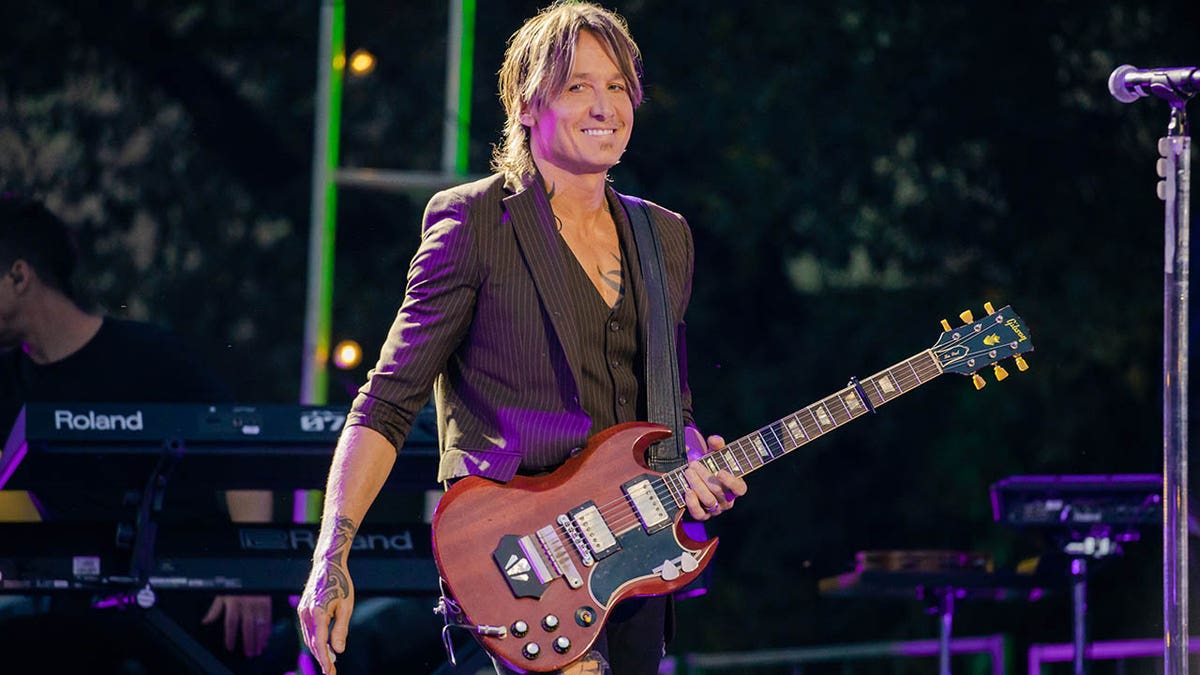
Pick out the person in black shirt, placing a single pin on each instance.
(54, 350)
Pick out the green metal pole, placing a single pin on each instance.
(323, 223)
(318, 311)
(460, 52)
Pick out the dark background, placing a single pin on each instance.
(853, 170)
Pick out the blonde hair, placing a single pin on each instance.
(538, 63)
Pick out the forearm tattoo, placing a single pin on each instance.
(335, 583)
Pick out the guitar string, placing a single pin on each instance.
(627, 517)
(619, 514)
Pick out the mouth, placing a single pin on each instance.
(599, 132)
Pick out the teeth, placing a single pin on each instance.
(599, 132)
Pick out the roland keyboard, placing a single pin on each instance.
(226, 446)
(58, 557)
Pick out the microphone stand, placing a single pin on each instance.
(1175, 169)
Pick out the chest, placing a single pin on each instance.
(598, 254)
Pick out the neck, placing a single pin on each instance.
(56, 328)
(573, 195)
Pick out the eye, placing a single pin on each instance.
(617, 86)
(578, 86)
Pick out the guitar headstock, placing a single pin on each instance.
(978, 344)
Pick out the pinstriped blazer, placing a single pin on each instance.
(487, 324)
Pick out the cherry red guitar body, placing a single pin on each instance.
(540, 562)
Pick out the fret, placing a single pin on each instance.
(888, 385)
(854, 404)
(752, 458)
(715, 462)
(762, 449)
(824, 419)
(933, 362)
(816, 422)
(838, 397)
(882, 398)
(914, 371)
(795, 430)
(735, 466)
(745, 461)
(773, 441)
(671, 480)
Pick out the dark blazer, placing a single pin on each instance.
(486, 322)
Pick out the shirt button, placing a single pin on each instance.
(622, 400)
(614, 326)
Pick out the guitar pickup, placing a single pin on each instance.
(590, 524)
(646, 504)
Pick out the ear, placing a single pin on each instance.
(20, 273)
(526, 116)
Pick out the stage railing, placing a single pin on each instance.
(721, 662)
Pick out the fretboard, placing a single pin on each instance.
(777, 439)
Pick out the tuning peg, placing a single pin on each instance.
(987, 307)
(999, 372)
(967, 316)
(979, 382)
(1021, 365)
(945, 325)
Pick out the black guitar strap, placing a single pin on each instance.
(663, 404)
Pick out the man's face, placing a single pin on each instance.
(585, 128)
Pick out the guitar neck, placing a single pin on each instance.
(779, 438)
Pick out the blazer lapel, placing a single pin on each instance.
(532, 221)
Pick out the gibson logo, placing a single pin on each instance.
(1016, 328)
(90, 421)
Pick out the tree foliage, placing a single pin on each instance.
(854, 171)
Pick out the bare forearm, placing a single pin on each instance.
(360, 466)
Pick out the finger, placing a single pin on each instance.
(264, 630)
(315, 625)
(249, 633)
(214, 611)
(715, 443)
(731, 486)
(341, 626)
(232, 621)
(318, 646)
(700, 499)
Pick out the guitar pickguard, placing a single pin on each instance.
(642, 557)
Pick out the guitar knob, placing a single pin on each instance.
(561, 644)
(967, 316)
(945, 325)
(520, 628)
(585, 616)
(1021, 365)
(979, 382)
(550, 623)
(531, 650)
(987, 307)
(1000, 373)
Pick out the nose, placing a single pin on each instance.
(604, 107)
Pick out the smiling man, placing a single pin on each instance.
(526, 313)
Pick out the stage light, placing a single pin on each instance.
(362, 62)
(347, 354)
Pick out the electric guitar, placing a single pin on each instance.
(534, 566)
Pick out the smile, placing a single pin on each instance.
(599, 132)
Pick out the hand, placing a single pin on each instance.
(709, 494)
(328, 597)
(251, 612)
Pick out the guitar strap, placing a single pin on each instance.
(663, 404)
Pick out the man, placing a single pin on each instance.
(525, 312)
(51, 349)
